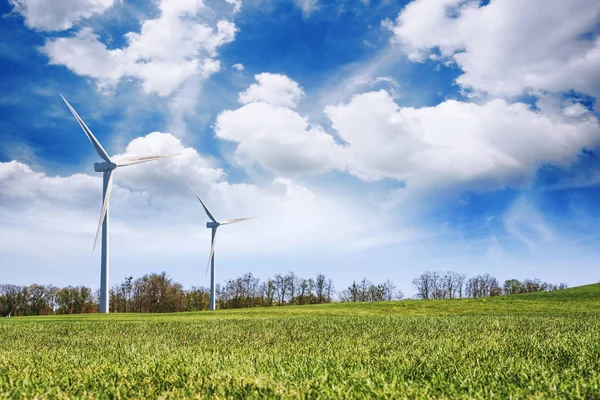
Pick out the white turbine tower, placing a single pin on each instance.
(107, 167)
(214, 225)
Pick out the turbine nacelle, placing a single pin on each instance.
(212, 224)
(104, 166)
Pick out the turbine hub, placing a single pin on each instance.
(104, 166)
(212, 224)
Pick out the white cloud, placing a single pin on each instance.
(490, 145)
(85, 55)
(13, 174)
(49, 222)
(275, 89)
(237, 5)
(52, 15)
(153, 211)
(507, 46)
(167, 50)
(277, 138)
(158, 175)
(238, 67)
(307, 6)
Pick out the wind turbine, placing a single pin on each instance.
(214, 225)
(107, 167)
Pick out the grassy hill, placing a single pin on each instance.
(539, 345)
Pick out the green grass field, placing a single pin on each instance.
(542, 345)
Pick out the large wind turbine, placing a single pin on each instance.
(107, 167)
(214, 225)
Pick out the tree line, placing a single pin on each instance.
(156, 293)
(159, 293)
(367, 291)
(451, 285)
(46, 300)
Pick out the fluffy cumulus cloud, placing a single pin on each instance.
(167, 50)
(51, 15)
(68, 205)
(270, 133)
(23, 185)
(507, 46)
(49, 213)
(490, 145)
(279, 139)
(275, 89)
(188, 165)
(154, 212)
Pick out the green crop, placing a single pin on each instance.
(542, 345)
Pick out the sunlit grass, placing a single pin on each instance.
(537, 345)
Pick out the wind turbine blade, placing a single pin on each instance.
(104, 206)
(203, 205)
(233, 221)
(137, 160)
(212, 251)
(99, 149)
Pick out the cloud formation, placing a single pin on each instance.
(343, 155)
(492, 145)
(153, 210)
(275, 89)
(279, 139)
(507, 46)
(162, 62)
(488, 146)
(51, 15)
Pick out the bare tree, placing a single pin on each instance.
(427, 285)
(292, 282)
(388, 289)
(281, 289)
(367, 291)
(267, 290)
(451, 285)
(329, 291)
(364, 290)
(303, 291)
(320, 288)
(483, 286)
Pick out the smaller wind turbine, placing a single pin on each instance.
(214, 225)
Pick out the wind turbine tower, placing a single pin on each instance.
(213, 225)
(107, 167)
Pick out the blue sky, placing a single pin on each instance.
(373, 139)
